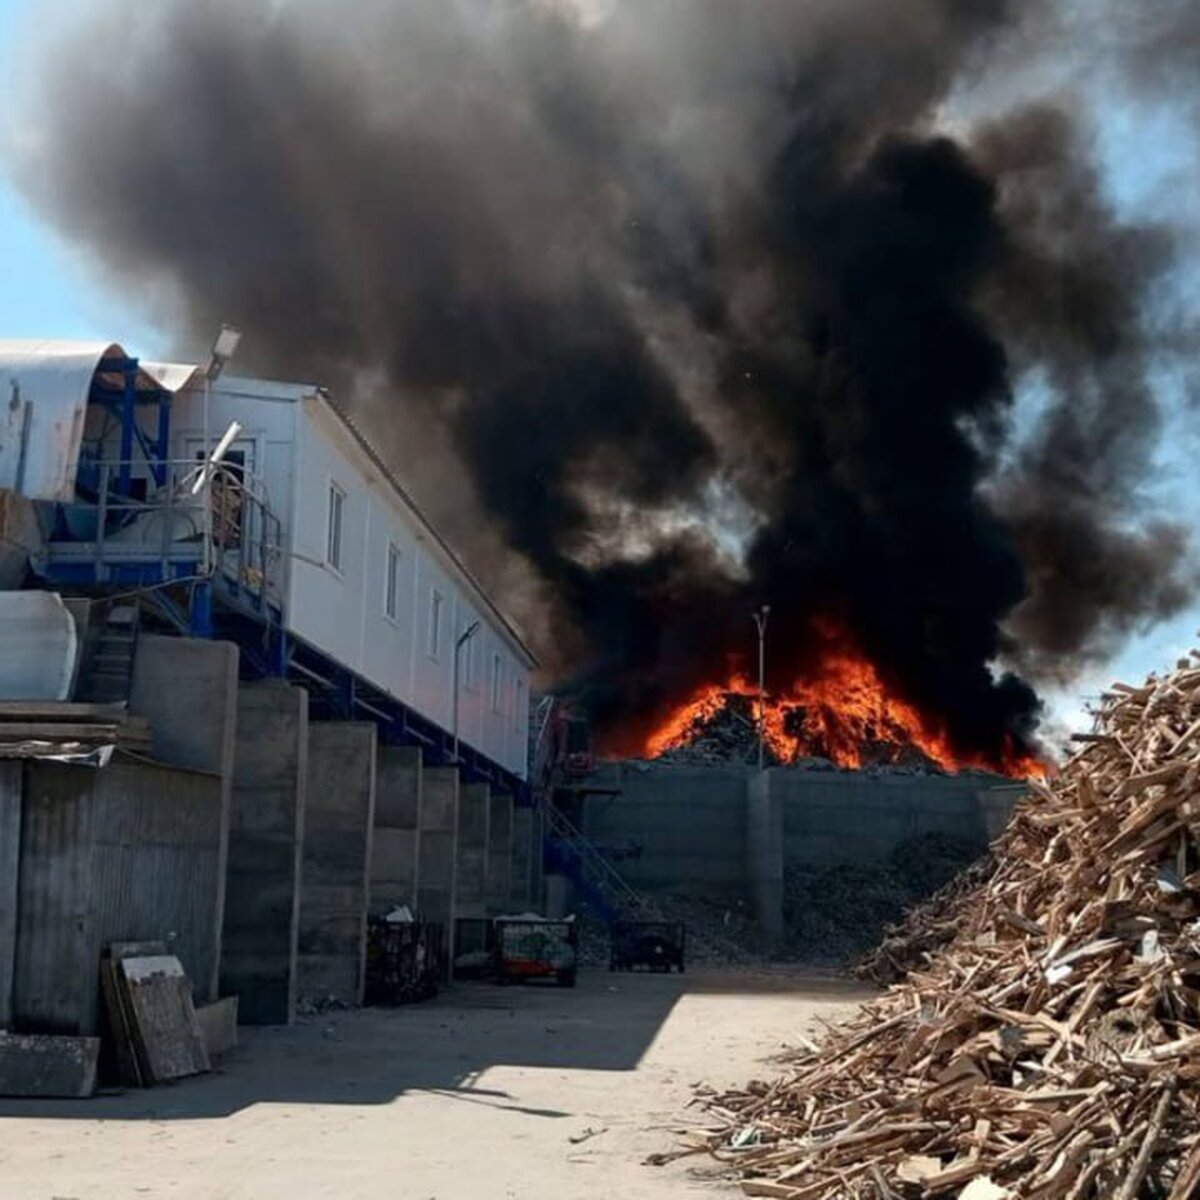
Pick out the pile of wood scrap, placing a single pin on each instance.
(926, 927)
(37, 729)
(1052, 1048)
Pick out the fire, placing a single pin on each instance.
(844, 712)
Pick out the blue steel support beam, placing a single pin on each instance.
(201, 619)
(163, 448)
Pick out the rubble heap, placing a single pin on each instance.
(1052, 1049)
(926, 927)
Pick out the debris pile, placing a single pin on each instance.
(926, 927)
(1052, 1049)
(835, 912)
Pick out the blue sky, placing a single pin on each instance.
(47, 289)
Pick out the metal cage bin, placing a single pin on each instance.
(527, 949)
(654, 945)
(405, 961)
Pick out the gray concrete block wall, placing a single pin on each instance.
(846, 817)
(266, 837)
(174, 679)
(520, 896)
(470, 889)
(339, 818)
(10, 843)
(764, 854)
(437, 849)
(394, 857)
(128, 852)
(689, 824)
(499, 853)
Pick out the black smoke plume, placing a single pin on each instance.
(667, 310)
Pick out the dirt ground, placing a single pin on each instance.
(485, 1093)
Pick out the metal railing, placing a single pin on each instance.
(227, 527)
(600, 873)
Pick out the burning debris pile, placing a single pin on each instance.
(1053, 1048)
(841, 715)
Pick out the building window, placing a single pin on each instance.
(391, 587)
(333, 528)
(436, 603)
(495, 683)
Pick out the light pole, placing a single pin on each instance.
(760, 621)
(463, 638)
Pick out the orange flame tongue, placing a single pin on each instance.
(844, 713)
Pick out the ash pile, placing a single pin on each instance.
(1046, 1040)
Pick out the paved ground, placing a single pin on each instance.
(485, 1093)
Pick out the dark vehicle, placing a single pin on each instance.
(404, 961)
(536, 949)
(655, 945)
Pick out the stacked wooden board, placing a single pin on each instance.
(1051, 1049)
(34, 729)
(154, 1029)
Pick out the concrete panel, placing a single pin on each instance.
(10, 843)
(266, 842)
(521, 889)
(334, 888)
(843, 817)
(499, 853)
(397, 828)
(474, 812)
(174, 679)
(764, 855)
(673, 827)
(437, 849)
(127, 853)
(398, 788)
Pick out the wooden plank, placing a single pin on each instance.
(33, 710)
(120, 1021)
(37, 1065)
(168, 1036)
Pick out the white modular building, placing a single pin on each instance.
(300, 544)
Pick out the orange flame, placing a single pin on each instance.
(844, 713)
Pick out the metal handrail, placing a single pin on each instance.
(246, 537)
(567, 831)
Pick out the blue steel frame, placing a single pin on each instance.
(219, 608)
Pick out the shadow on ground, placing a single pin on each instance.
(443, 1046)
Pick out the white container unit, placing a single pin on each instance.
(367, 580)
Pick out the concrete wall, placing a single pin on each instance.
(714, 830)
(437, 849)
(689, 823)
(499, 853)
(10, 842)
(177, 681)
(266, 836)
(397, 828)
(521, 891)
(470, 886)
(842, 816)
(130, 852)
(338, 826)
